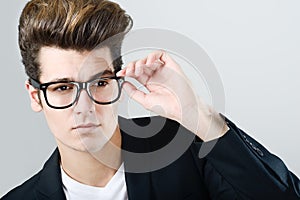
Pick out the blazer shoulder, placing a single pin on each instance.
(23, 191)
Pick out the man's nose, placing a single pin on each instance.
(84, 103)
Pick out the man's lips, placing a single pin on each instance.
(86, 126)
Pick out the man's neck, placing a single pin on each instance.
(95, 169)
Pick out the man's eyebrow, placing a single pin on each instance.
(97, 75)
(62, 79)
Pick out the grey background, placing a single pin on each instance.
(255, 46)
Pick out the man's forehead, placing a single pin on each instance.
(96, 66)
(95, 63)
(85, 76)
(99, 55)
(98, 61)
(74, 65)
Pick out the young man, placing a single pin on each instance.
(75, 79)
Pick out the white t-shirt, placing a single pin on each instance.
(115, 189)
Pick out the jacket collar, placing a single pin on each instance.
(138, 184)
(49, 185)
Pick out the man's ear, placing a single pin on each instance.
(34, 98)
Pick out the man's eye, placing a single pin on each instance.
(102, 83)
(63, 88)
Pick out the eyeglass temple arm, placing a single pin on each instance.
(34, 83)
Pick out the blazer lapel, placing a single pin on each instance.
(138, 182)
(49, 185)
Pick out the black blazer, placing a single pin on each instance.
(236, 168)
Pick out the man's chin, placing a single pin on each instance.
(93, 145)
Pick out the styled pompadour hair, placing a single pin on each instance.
(79, 25)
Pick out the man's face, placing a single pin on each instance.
(85, 126)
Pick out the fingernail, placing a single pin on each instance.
(118, 73)
(160, 62)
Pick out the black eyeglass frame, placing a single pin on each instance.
(80, 86)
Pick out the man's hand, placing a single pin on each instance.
(171, 95)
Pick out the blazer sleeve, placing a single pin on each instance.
(238, 167)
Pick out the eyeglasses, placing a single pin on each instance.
(64, 94)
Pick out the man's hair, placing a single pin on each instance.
(79, 25)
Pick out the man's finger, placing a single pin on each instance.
(154, 57)
(135, 94)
